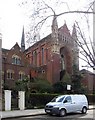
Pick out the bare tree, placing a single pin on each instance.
(86, 48)
(43, 11)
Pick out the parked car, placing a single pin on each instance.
(61, 105)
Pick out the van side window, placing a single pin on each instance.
(68, 99)
(61, 99)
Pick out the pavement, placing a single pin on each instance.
(28, 112)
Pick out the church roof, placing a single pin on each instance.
(16, 46)
(4, 50)
(64, 29)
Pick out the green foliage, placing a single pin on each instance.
(41, 85)
(76, 83)
(66, 78)
(5, 86)
(22, 85)
(75, 69)
(59, 87)
(38, 100)
(35, 85)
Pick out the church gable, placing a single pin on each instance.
(64, 30)
(16, 47)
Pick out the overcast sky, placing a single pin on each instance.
(13, 17)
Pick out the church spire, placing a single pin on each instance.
(74, 33)
(54, 35)
(75, 47)
(23, 41)
(55, 29)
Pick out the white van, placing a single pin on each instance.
(63, 104)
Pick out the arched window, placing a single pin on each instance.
(34, 58)
(10, 74)
(21, 75)
(62, 61)
(16, 60)
(42, 56)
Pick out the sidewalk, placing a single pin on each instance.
(30, 112)
(20, 113)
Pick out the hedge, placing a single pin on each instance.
(39, 100)
(91, 98)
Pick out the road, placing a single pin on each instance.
(89, 116)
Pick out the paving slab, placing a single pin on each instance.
(28, 112)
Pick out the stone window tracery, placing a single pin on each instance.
(16, 60)
(10, 74)
(42, 56)
(21, 75)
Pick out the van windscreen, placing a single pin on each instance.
(57, 99)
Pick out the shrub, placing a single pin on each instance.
(38, 99)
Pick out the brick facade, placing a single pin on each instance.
(47, 57)
(14, 65)
(88, 80)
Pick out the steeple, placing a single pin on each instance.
(75, 47)
(74, 34)
(23, 41)
(55, 29)
(54, 35)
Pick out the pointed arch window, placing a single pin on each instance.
(10, 74)
(16, 60)
(21, 75)
(62, 62)
(34, 57)
(42, 56)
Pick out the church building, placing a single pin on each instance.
(49, 59)
(54, 55)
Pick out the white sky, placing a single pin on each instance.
(12, 22)
(13, 17)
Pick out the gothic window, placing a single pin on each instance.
(21, 75)
(63, 38)
(47, 54)
(10, 74)
(16, 60)
(42, 56)
(34, 58)
(62, 62)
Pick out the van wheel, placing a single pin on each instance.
(84, 110)
(62, 112)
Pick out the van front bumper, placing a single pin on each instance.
(52, 111)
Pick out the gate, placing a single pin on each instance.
(14, 98)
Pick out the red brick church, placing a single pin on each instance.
(55, 54)
(49, 58)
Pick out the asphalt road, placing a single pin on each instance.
(78, 116)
